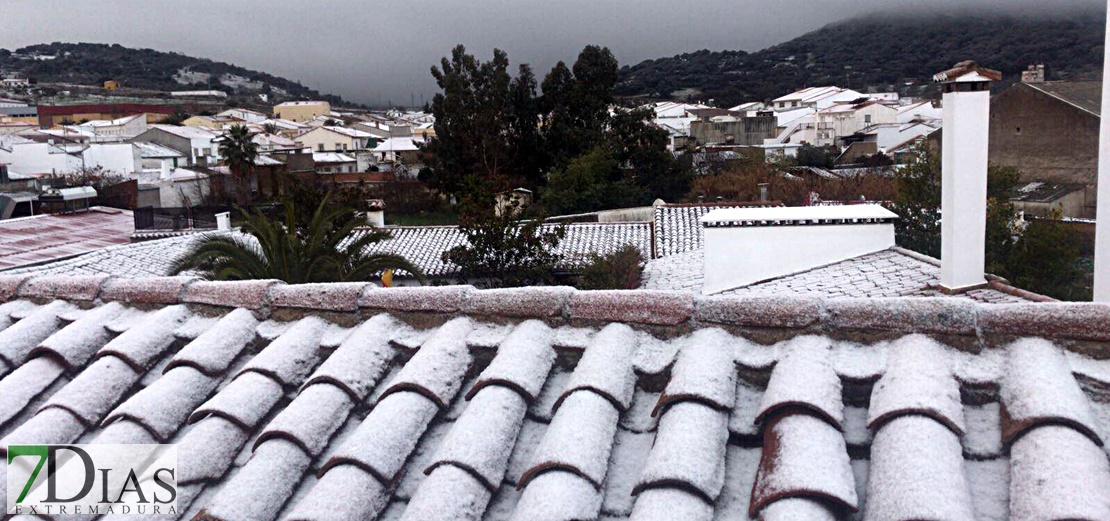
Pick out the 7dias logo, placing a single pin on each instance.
(92, 479)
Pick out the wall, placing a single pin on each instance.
(301, 113)
(1069, 205)
(745, 131)
(331, 141)
(1057, 142)
(741, 256)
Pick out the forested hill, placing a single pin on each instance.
(886, 51)
(93, 64)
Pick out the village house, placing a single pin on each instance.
(194, 142)
(212, 122)
(301, 111)
(120, 129)
(1049, 130)
(247, 115)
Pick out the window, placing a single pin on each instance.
(1018, 131)
(320, 147)
(867, 119)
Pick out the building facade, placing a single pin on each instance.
(1049, 131)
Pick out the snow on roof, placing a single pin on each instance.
(890, 273)
(797, 214)
(154, 150)
(46, 238)
(362, 402)
(332, 157)
(677, 226)
(187, 132)
(397, 144)
(111, 123)
(349, 132)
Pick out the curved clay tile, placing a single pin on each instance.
(803, 457)
(917, 381)
(804, 379)
(705, 372)
(1039, 389)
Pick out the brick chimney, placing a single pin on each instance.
(1102, 233)
(967, 101)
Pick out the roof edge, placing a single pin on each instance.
(978, 324)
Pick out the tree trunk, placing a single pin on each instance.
(241, 181)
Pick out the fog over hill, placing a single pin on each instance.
(381, 51)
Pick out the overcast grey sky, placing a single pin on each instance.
(382, 50)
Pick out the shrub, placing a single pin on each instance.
(622, 269)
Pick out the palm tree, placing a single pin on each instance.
(239, 152)
(328, 248)
(270, 128)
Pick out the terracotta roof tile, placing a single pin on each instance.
(80, 288)
(154, 290)
(321, 297)
(252, 294)
(641, 307)
(311, 420)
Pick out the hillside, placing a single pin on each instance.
(886, 52)
(92, 64)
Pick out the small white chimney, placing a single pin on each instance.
(744, 246)
(223, 221)
(375, 213)
(967, 102)
(1102, 233)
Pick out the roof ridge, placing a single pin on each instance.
(966, 322)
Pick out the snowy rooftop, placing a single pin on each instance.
(46, 238)
(890, 273)
(677, 226)
(423, 245)
(797, 215)
(347, 401)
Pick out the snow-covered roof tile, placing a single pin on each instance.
(370, 420)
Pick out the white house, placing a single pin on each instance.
(815, 97)
(38, 158)
(845, 119)
(247, 115)
(117, 129)
(193, 142)
(334, 163)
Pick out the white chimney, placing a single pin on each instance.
(744, 246)
(375, 214)
(967, 102)
(1102, 233)
(223, 221)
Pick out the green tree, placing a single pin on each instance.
(622, 269)
(473, 135)
(503, 251)
(649, 170)
(820, 157)
(587, 184)
(330, 247)
(576, 103)
(176, 118)
(917, 203)
(1045, 260)
(239, 152)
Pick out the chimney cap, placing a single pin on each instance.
(375, 205)
(967, 71)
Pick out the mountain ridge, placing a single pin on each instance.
(149, 69)
(880, 51)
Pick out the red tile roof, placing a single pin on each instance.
(47, 238)
(348, 401)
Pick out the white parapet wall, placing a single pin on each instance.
(744, 246)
